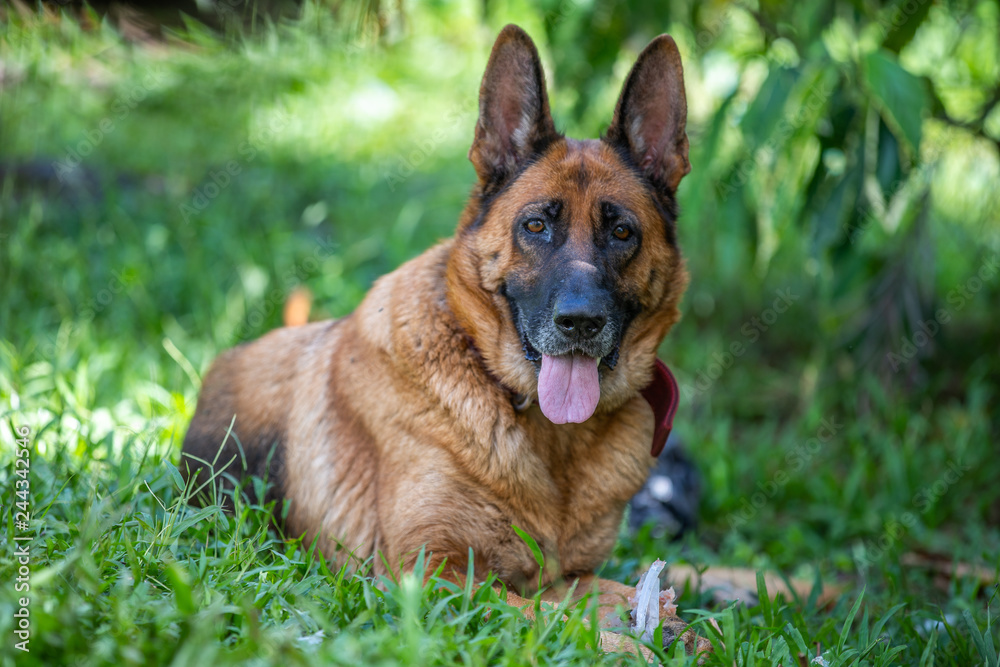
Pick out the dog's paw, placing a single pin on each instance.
(675, 629)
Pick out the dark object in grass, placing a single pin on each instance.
(669, 499)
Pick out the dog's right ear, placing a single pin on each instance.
(514, 121)
(651, 114)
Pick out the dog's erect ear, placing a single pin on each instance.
(651, 114)
(514, 121)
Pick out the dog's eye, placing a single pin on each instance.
(535, 226)
(622, 233)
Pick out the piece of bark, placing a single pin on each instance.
(732, 583)
(948, 569)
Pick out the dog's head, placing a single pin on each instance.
(566, 256)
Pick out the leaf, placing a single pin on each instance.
(729, 632)
(983, 642)
(193, 519)
(835, 203)
(899, 23)
(766, 606)
(178, 579)
(927, 657)
(793, 633)
(470, 577)
(174, 474)
(880, 625)
(850, 621)
(532, 544)
(768, 107)
(899, 96)
(888, 170)
(888, 658)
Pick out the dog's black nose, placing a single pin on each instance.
(578, 323)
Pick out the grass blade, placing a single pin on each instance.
(849, 621)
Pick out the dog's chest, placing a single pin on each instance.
(570, 499)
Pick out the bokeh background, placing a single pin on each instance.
(169, 172)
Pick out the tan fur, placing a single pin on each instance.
(395, 426)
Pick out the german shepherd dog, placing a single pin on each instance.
(505, 377)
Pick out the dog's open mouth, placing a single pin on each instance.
(569, 380)
(569, 386)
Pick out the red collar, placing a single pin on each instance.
(663, 396)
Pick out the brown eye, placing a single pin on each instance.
(622, 233)
(535, 226)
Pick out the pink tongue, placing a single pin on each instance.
(568, 388)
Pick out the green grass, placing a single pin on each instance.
(113, 305)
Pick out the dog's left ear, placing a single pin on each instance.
(651, 114)
(514, 121)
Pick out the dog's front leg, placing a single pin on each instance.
(614, 602)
